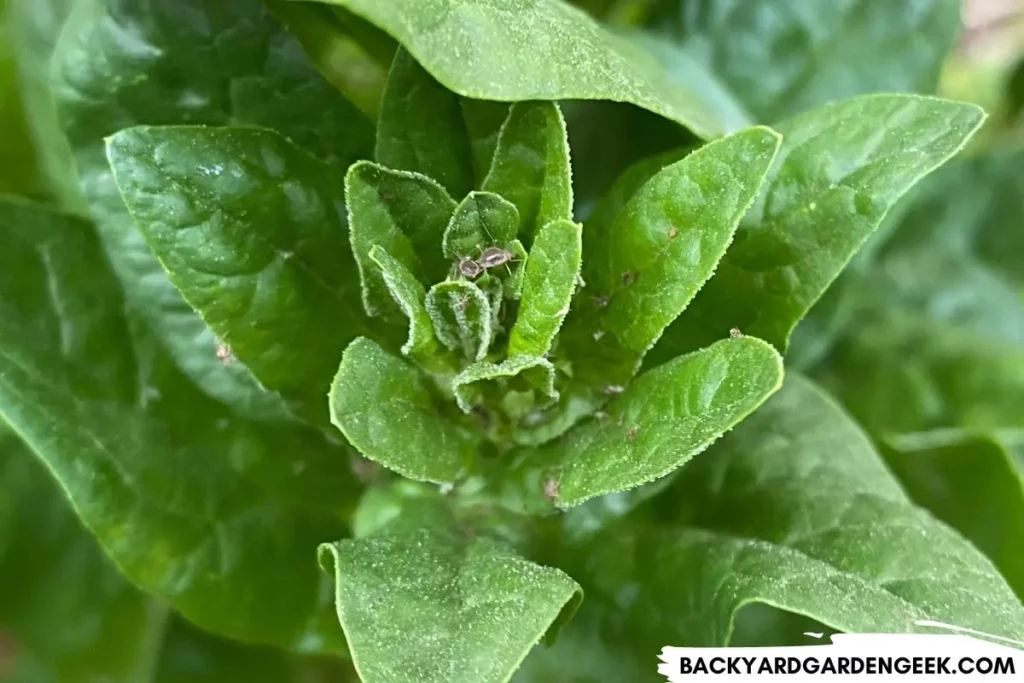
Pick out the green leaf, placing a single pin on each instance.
(420, 128)
(531, 165)
(483, 120)
(537, 373)
(432, 606)
(404, 213)
(972, 481)
(409, 294)
(475, 48)
(462, 317)
(667, 416)
(386, 410)
(248, 227)
(229, 64)
(840, 169)
(169, 481)
(482, 219)
(782, 58)
(549, 282)
(644, 268)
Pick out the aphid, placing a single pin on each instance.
(630, 277)
(735, 333)
(224, 354)
(600, 301)
(613, 389)
(462, 304)
(552, 489)
(492, 257)
(672, 232)
(631, 434)
(469, 268)
(602, 416)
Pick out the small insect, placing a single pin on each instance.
(492, 257)
(224, 354)
(552, 489)
(630, 277)
(462, 304)
(600, 301)
(469, 268)
(602, 416)
(735, 333)
(672, 232)
(613, 389)
(631, 434)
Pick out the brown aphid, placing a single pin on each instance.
(673, 231)
(469, 268)
(224, 354)
(492, 257)
(552, 489)
(630, 277)
(600, 301)
(631, 434)
(735, 333)
(463, 304)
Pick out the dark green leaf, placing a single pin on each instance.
(462, 317)
(385, 409)
(122, 63)
(432, 606)
(517, 51)
(782, 57)
(420, 128)
(251, 230)
(406, 214)
(644, 268)
(214, 514)
(974, 483)
(483, 121)
(531, 165)
(839, 170)
(482, 219)
(666, 417)
(549, 282)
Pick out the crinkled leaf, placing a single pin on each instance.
(549, 282)
(420, 127)
(385, 409)
(476, 48)
(644, 268)
(462, 317)
(405, 213)
(169, 481)
(252, 231)
(122, 64)
(839, 170)
(410, 295)
(531, 165)
(432, 606)
(782, 57)
(667, 416)
(535, 373)
(972, 481)
(482, 219)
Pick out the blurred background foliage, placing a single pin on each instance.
(929, 312)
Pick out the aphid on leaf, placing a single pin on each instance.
(613, 389)
(469, 268)
(552, 489)
(630, 277)
(631, 434)
(600, 301)
(224, 354)
(602, 416)
(672, 232)
(463, 304)
(735, 333)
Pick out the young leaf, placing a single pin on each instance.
(666, 417)
(383, 407)
(482, 219)
(483, 120)
(782, 58)
(548, 284)
(538, 374)
(406, 214)
(420, 128)
(213, 70)
(248, 227)
(432, 606)
(462, 317)
(794, 509)
(531, 165)
(477, 51)
(974, 483)
(837, 174)
(647, 265)
(169, 481)
(410, 295)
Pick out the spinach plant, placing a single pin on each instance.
(384, 340)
